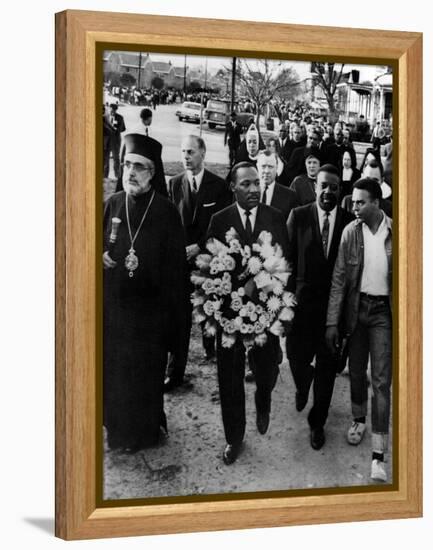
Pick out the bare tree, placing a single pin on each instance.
(327, 76)
(264, 80)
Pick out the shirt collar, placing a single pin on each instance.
(198, 177)
(242, 211)
(321, 212)
(270, 187)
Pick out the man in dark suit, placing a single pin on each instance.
(333, 153)
(232, 137)
(314, 235)
(116, 126)
(248, 217)
(296, 164)
(198, 194)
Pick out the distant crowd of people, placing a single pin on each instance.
(332, 217)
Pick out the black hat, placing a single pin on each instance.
(312, 152)
(139, 144)
(233, 114)
(114, 106)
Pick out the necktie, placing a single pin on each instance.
(194, 185)
(265, 196)
(325, 234)
(147, 131)
(248, 226)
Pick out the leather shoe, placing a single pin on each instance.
(230, 453)
(171, 383)
(262, 421)
(317, 438)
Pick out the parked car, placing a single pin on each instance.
(189, 111)
(217, 113)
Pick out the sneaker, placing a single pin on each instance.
(356, 433)
(378, 472)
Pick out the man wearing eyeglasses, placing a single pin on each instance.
(144, 289)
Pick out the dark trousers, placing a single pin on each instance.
(231, 371)
(306, 340)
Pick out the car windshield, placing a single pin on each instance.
(218, 106)
(195, 106)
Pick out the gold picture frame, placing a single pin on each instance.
(79, 35)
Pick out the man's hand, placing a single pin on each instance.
(107, 261)
(331, 337)
(191, 251)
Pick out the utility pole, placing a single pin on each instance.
(184, 77)
(232, 103)
(205, 75)
(139, 71)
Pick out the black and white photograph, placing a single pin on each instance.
(247, 275)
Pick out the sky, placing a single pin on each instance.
(367, 72)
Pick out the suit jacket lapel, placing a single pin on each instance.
(185, 201)
(316, 226)
(201, 193)
(333, 249)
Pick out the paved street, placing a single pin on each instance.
(168, 130)
(189, 460)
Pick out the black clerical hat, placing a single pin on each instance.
(139, 144)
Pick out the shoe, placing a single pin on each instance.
(317, 438)
(230, 454)
(249, 377)
(171, 383)
(262, 421)
(378, 472)
(355, 433)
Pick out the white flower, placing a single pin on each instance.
(218, 315)
(210, 329)
(208, 286)
(256, 247)
(228, 262)
(278, 251)
(266, 251)
(216, 265)
(259, 327)
(197, 279)
(236, 304)
(203, 260)
(262, 279)
(261, 339)
(271, 264)
(231, 235)
(254, 265)
(235, 247)
(289, 299)
(250, 307)
(226, 277)
(241, 291)
(227, 340)
(274, 304)
(209, 308)
(246, 252)
(238, 322)
(265, 237)
(263, 297)
(226, 287)
(286, 314)
(265, 319)
(229, 327)
(277, 328)
(259, 309)
(244, 328)
(243, 312)
(277, 287)
(197, 299)
(253, 317)
(198, 316)
(215, 247)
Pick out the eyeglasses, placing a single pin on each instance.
(136, 166)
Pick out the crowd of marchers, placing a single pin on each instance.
(331, 216)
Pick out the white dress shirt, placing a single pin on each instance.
(332, 216)
(374, 279)
(198, 179)
(269, 192)
(243, 216)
